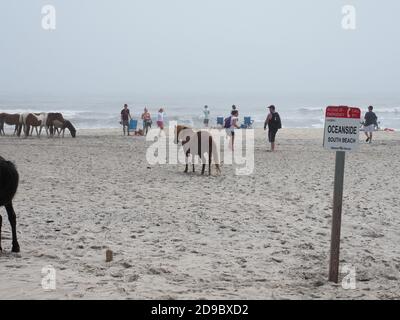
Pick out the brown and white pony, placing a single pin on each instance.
(56, 122)
(197, 144)
(10, 119)
(33, 120)
(8, 187)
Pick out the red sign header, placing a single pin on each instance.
(343, 112)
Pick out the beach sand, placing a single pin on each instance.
(177, 236)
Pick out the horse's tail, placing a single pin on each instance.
(215, 154)
(8, 181)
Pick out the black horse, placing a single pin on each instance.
(8, 187)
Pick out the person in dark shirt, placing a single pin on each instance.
(274, 123)
(125, 117)
(370, 123)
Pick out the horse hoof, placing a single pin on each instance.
(15, 248)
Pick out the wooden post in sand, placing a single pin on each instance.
(109, 255)
(341, 134)
(337, 216)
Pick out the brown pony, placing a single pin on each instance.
(10, 119)
(197, 144)
(8, 187)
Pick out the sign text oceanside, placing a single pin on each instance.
(342, 128)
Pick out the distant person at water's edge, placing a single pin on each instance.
(370, 123)
(125, 117)
(206, 112)
(274, 123)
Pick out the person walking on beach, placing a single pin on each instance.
(206, 112)
(125, 117)
(370, 123)
(146, 117)
(274, 123)
(160, 119)
(231, 123)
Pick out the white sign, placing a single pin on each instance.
(342, 128)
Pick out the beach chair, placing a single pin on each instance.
(248, 123)
(133, 125)
(220, 121)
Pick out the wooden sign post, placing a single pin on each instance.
(337, 216)
(341, 134)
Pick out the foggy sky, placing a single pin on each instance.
(193, 46)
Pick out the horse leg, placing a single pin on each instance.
(209, 156)
(27, 129)
(187, 162)
(1, 221)
(209, 164)
(203, 161)
(13, 221)
(186, 167)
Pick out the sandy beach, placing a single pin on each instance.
(177, 236)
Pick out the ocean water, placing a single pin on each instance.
(297, 111)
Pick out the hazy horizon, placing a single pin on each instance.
(198, 48)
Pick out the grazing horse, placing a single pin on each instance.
(197, 144)
(8, 187)
(10, 119)
(33, 120)
(60, 127)
(56, 121)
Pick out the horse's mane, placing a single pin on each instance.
(67, 124)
